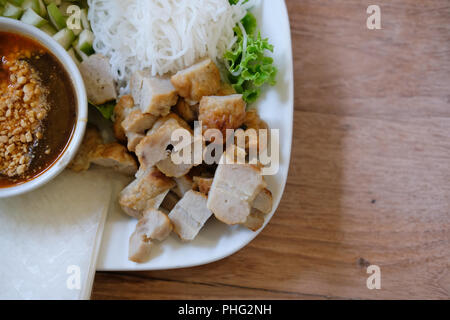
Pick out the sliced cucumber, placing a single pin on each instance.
(31, 17)
(86, 41)
(65, 38)
(12, 11)
(42, 9)
(83, 56)
(57, 2)
(37, 5)
(17, 3)
(63, 8)
(49, 29)
(76, 32)
(51, 17)
(33, 4)
(73, 55)
(56, 16)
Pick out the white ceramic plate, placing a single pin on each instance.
(216, 240)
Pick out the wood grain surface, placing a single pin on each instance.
(369, 180)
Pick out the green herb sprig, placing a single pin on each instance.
(250, 68)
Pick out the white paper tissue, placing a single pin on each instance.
(49, 238)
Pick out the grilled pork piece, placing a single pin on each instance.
(186, 111)
(138, 122)
(154, 225)
(171, 169)
(183, 185)
(253, 121)
(203, 184)
(112, 155)
(255, 220)
(263, 201)
(222, 112)
(92, 139)
(146, 192)
(201, 79)
(122, 108)
(99, 81)
(170, 201)
(115, 156)
(233, 190)
(133, 140)
(153, 95)
(154, 148)
(189, 215)
(262, 205)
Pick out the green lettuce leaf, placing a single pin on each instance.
(106, 109)
(256, 69)
(253, 66)
(250, 24)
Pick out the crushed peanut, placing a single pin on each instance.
(23, 107)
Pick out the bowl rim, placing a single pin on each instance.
(18, 27)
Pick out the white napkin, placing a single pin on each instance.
(49, 239)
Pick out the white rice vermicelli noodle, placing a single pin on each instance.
(161, 35)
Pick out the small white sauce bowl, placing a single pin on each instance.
(17, 27)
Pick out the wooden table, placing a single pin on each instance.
(369, 181)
